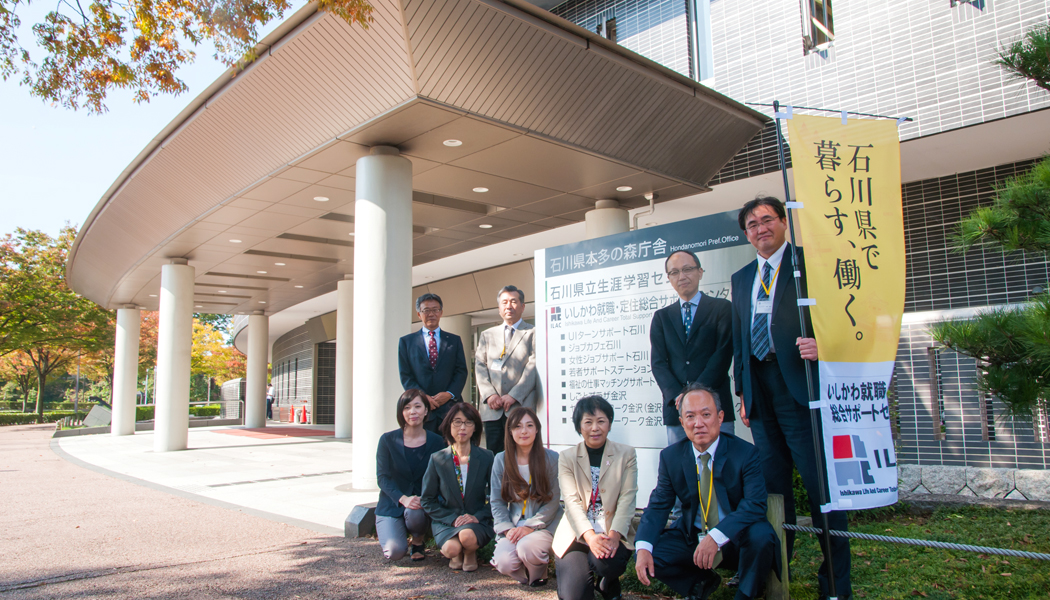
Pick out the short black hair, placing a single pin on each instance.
(428, 296)
(509, 289)
(590, 405)
(696, 258)
(468, 411)
(408, 396)
(699, 387)
(751, 205)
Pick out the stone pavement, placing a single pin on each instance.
(236, 516)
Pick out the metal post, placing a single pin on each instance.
(814, 418)
(145, 389)
(76, 396)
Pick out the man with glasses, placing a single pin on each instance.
(433, 361)
(692, 342)
(769, 361)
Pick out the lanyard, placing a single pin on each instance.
(699, 492)
(459, 472)
(526, 504)
(594, 499)
(505, 336)
(772, 283)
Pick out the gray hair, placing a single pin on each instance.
(508, 289)
(425, 297)
(699, 387)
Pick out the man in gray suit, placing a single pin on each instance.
(505, 364)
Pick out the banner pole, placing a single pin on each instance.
(814, 418)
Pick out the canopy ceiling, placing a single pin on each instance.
(260, 169)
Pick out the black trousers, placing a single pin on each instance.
(783, 434)
(751, 556)
(494, 434)
(576, 565)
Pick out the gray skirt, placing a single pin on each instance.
(444, 533)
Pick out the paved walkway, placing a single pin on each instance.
(236, 516)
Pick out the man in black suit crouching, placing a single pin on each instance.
(718, 479)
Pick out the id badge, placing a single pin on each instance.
(496, 364)
(764, 307)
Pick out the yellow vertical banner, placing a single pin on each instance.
(848, 179)
(848, 183)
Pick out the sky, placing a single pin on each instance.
(56, 163)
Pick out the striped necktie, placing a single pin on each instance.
(760, 326)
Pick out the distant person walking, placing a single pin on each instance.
(269, 401)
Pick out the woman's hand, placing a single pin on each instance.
(464, 520)
(411, 502)
(516, 533)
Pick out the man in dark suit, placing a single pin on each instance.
(718, 479)
(433, 361)
(770, 356)
(691, 341)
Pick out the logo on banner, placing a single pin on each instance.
(555, 314)
(850, 463)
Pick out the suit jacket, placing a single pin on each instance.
(739, 486)
(704, 357)
(617, 485)
(544, 516)
(413, 364)
(517, 376)
(441, 498)
(393, 472)
(784, 327)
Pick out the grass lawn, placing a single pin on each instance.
(896, 571)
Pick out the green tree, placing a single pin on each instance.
(1029, 57)
(90, 49)
(52, 324)
(16, 368)
(1012, 345)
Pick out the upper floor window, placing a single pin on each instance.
(607, 27)
(818, 25)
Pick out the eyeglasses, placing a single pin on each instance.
(461, 424)
(674, 273)
(766, 222)
(431, 311)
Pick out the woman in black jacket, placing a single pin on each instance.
(401, 460)
(455, 489)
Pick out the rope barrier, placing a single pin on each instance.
(926, 543)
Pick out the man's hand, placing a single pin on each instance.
(516, 533)
(678, 402)
(743, 414)
(441, 398)
(411, 502)
(704, 555)
(464, 519)
(643, 566)
(508, 401)
(494, 401)
(807, 348)
(432, 401)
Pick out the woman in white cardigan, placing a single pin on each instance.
(524, 497)
(599, 481)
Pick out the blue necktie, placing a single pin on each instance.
(760, 327)
(687, 316)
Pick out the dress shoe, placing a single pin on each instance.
(456, 563)
(704, 588)
(609, 588)
(538, 582)
(470, 561)
(733, 581)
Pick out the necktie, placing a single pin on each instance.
(687, 316)
(708, 500)
(432, 349)
(760, 327)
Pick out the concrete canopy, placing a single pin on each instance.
(254, 182)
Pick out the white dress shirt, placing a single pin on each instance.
(774, 264)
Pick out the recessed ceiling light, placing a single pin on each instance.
(624, 188)
(651, 224)
(481, 190)
(235, 241)
(152, 295)
(485, 226)
(351, 233)
(222, 291)
(261, 272)
(279, 264)
(321, 198)
(518, 254)
(198, 306)
(262, 301)
(298, 286)
(452, 143)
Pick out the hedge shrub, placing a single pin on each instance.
(28, 418)
(211, 410)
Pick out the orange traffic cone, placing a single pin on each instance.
(304, 415)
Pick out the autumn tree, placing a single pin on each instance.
(16, 368)
(51, 323)
(92, 48)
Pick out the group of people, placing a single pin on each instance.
(708, 508)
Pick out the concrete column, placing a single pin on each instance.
(344, 359)
(258, 359)
(607, 218)
(125, 370)
(382, 290)
(174, 338)
(460, 325)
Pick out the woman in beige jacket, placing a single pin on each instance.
(599, 483)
